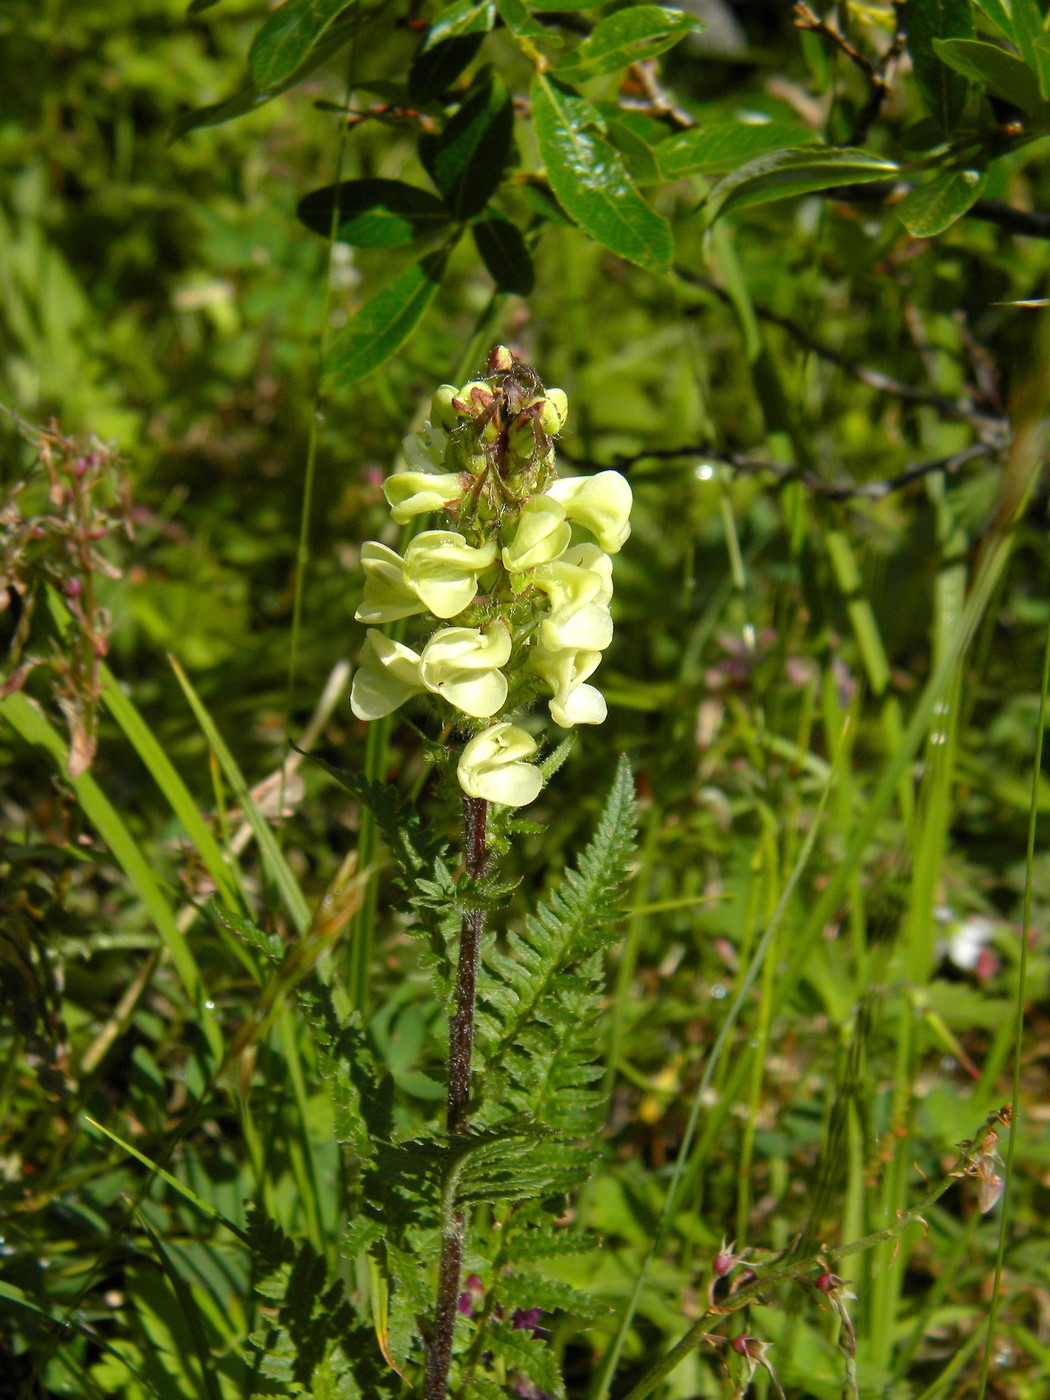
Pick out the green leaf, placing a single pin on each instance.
(994, 68)
(521, 24)
(944, 90)
(998, 11)
(373, 213)
(1041, 59)
(591, 181)
(628, 36)
(433, 71)
(787, 173)
(723, 146)
(284, 42)
(463, 17)
(383, 324)
(1028, 30)
(251, 96)
(638, 155)
(272, 856)
(541, 200)
(931, 208)
(27, 720)
(507, 260)
(467, 159)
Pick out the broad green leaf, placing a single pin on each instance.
(521, 24)
(998, 11)
(373, 213)
(724, 146)
(30, 722)
(284, 42)
(1041, 60)
(507, 260)
(383, 324)
(541, 200)
(463, 17)
(944, 90)
(996, 69)
(788, 173)
(433, 71)
(591, 181)
(931, 208)
(467, 159)
(628, 36)
(638, 156)
(251, 96)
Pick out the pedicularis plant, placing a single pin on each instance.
(510, 595)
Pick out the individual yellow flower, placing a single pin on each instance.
(491, 767)
(443, 570)
(565, 671)
(417, 493)
(601, 504)
(462, 665)
(542, 535)
(388, 595)
(387, 674)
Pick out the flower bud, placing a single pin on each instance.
(474, 399)
(490, 766)
(462, 665)
(555, 412)
(387, 675)
(417, 493)
(442, 413)
(500, 360)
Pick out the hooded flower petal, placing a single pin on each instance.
(387, 674)
(388, 595)
(425, 451)
(582, 629)
(601, 504)
(589, 556)
(443, 570)
(462, 664)
(542, 534)
(565, 671)
(416, 493)
(490, 766)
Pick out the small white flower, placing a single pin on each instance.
(601, 504)
(491, 767)
(462, 664)
(387, 674)
(443, 570)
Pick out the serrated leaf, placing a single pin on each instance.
(931, 208)
(383, 324)
(251, 96)
(788, 173)
(467, 159)
(722, 146)
(994, 68)
(284, 42)
(373, 213)
(590, 180)
(944, 90)
(507, 260)
(628, 36)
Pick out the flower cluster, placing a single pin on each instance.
(522, 566)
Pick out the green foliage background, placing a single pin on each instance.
(784, 297)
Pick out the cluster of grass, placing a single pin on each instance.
(832, 967)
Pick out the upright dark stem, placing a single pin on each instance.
(460, 1054)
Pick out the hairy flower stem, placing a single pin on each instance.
(460, 1054)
